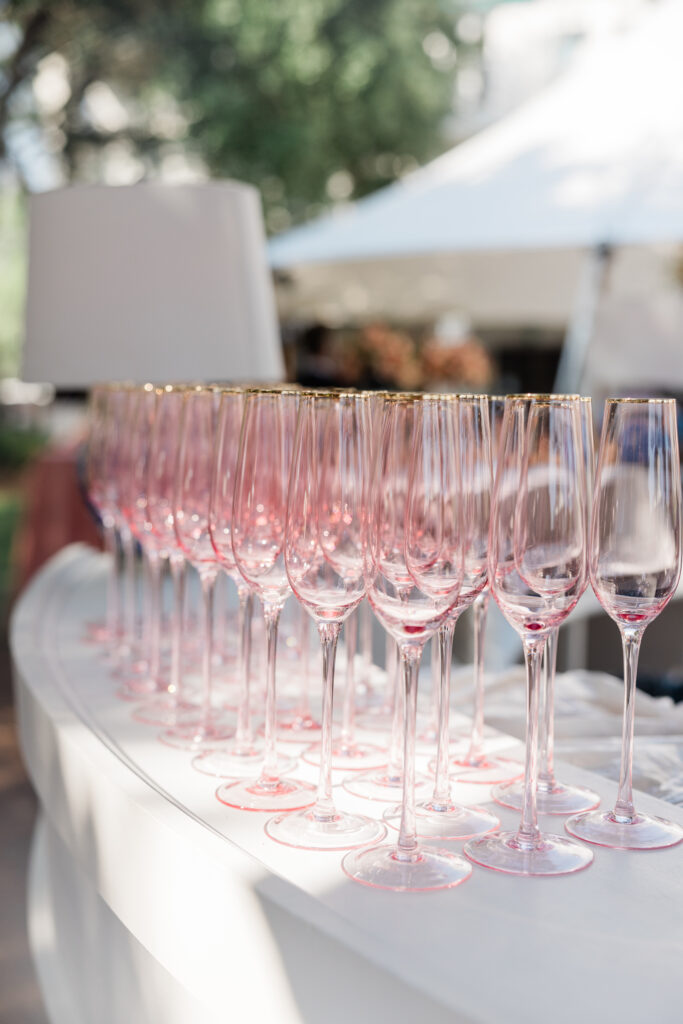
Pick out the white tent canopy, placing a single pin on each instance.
(498, 226)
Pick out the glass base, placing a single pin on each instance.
(377, 719)
(197, 737)
(237, 761)
(557, 799)
(97, 633)
(380, 868)
(113, 656)
(486, 771)
(426, 743)
(137, 689)
(644, 832)
(379, 785)
(163, 710)
(370, 699)
(284, 794)
(451, 822)
(227, 699)
(297, 728)
(344, 832)
(352, 757)
(130, 669)
(552, 855)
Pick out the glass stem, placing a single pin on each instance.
(113, 601)
(407, 847)
(129, 604)
(365, 617)
(624, 811)
(528, 832)
(178, 578)
(208, 582)
(391, 671)
(324, 805)
(243, 733)
(480, 608)
(435, 694)
(349, 707)
(304, 710)
(441, 794)
(190, 619)
(546, 741)
(269, 771)
(396, 744)
(153, 613)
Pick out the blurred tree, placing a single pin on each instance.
(12, 276)
(314, 101)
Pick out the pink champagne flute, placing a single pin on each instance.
(438, 817)
(193, 478)
(348, 752)
(242, 755)
(142, 412)
(385, 783)
(138, 680)
(635, 566)
(179, 703)
(412, 520)
(476, 766)
(102, 631)
(111, 630)
(259, 517)
(105, 476)
(553, 796)
(537, 567)
(324, 554)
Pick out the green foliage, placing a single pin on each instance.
(12, 278)
(18, 445)
(311, 100)
(10, 517)
(311, 88)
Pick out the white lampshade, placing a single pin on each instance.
(149, 282)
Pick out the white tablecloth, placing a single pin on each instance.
(151, 901)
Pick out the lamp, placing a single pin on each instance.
(149, 282)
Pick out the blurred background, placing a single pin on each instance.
(456, 192)
(452, 189)
(477, 181)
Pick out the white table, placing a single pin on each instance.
(150, 901)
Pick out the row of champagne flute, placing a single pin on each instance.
(289, 500)
(455, 822)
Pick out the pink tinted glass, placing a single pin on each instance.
(161, 469)
(324, 546)
(227, 448)
(260, 499)
(194, 476)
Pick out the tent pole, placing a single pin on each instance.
(582, 323)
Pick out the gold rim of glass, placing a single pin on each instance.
(178, 388)
(404, 396)
(546, 397)
(563, 403)
(334, 395)
(640, 401)
(255, 390)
